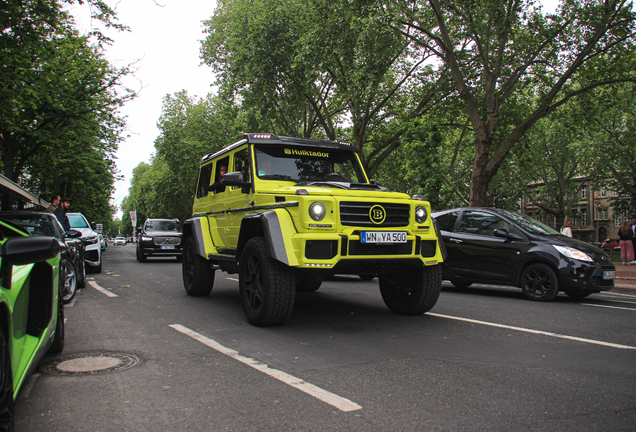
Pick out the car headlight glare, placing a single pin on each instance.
(420, 214)
(317, 211)
(146, 238)
(573, 253)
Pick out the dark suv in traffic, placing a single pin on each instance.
(160, 237)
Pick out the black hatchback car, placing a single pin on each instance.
(160, 237)
(500, 247)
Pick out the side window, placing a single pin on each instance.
(205, 173)
(480, 223)
(242, 164)
(446, 222)
(221, 169)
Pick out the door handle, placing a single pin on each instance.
(455, 240)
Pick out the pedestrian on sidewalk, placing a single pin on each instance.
(566, 230)
(627, 247)
(634, 234)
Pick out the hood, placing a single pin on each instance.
(164, 233)
(594, 251)
(343, 189)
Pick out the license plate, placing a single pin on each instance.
(167, 247)
(383, 237)
(609, 275)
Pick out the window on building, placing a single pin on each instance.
(614, 193)
(583, 217)
(617, 219)
(584, 192)
(605, 214)
(574, 219)
(603, 192)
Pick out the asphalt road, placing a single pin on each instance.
(484, 359)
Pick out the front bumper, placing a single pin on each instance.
(581, 277)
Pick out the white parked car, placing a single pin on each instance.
(92, 246)
(120, 241)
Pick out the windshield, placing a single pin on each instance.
(36, 225)
(298, 164)
(529, 224)
(77, 221)
(162, 226)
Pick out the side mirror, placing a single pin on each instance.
(73, 233)
(28, 250)
(235, 179)
(498, 232)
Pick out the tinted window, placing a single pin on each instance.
(159, 225)
(446, 222)
(204, 180)
(275, 162)
(242, 164)
(481, 223)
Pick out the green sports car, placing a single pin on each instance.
(31, 310)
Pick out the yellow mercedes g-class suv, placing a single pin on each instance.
(286, 212)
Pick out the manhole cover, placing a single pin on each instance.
(96, 363)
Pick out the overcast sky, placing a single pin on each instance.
(164, 40)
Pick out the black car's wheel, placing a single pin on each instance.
(460, 285)
(307, 281)
(366, 276)
(198, 276)
(413, 292)
(68, 282)
(539, 283)
(58, 340)
(140, 256)
(6, 386)
(267, 287)
(81, 274)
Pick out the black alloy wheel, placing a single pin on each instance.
(539, 283)
(58, 340)
(198, 276)
(6, 386)
(68, 282)
(267, 287)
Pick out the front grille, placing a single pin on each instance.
(358, 248)
(602, 282)
(357, 214)
(321, 249)
(429, 247)
(167, 241)
(40, 299)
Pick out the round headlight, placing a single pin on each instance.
(317, 211)
(420, 214)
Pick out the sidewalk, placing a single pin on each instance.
(625, 278)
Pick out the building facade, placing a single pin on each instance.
(594, 218)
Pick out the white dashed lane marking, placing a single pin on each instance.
(332, 399)
(537, 332)
(102, 290)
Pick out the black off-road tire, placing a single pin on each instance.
(6, 386)
(412, 292)
(267, 287)
(141, 257)
(539, 283)
(198, 276)
(58, 340)
(308, 281)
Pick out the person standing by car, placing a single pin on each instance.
(627, 247)
(55, 202)
(567, 229)
(60, 213)
(634, 235)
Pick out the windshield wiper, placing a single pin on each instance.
(276, 177)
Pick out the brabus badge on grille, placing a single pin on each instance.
(377, 214)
